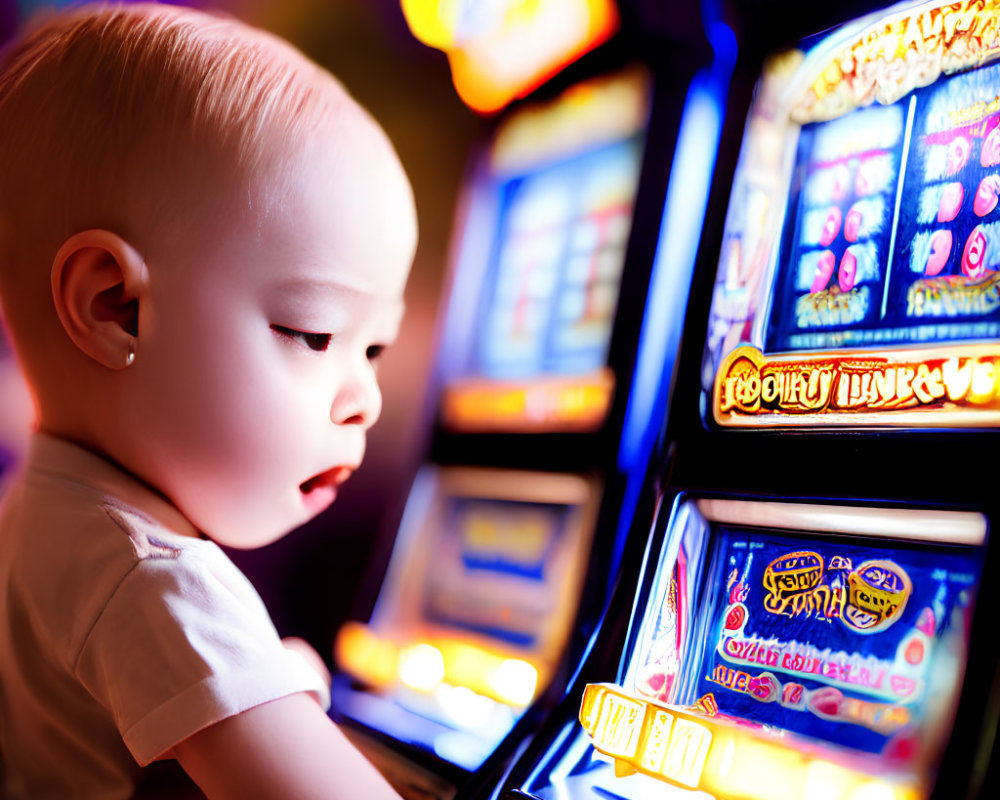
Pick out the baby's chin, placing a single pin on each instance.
(247, 534)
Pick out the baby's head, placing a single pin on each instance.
(203, 247)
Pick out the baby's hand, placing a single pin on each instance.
(312, 658)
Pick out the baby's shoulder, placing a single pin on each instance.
(75, 553)
(146, 538)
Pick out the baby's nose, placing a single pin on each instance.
(358, 400)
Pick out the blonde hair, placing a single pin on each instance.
(120, 116)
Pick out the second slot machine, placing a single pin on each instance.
(542, 422)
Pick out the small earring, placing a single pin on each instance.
(130, 357)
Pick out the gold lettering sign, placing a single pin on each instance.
(889, 58)
(798, 585)
(949, 387)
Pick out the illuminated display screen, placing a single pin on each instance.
(888, 243)
(821, 647)
(496, 569)
(861, 250)
(831, 639)
(553, 295)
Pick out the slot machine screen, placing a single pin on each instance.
(539, 271)
(497, 568)
(475, 609)
(858, 281)
(811, 644)
(550, 303)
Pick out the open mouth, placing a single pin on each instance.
(321, 490)
(332, 477)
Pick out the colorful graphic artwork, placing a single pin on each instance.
(829, 638)
(662, 663)
(950, 247)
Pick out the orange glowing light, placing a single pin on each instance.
(548, 403)
(427, 663)
(502, 50)
(361, 652)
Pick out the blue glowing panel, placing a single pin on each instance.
(891, 235)
(550, 300)
(497, 569)
(838, 640)
(949, 241)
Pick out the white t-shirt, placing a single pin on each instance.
(122, 631)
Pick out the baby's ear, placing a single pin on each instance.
(98, 283)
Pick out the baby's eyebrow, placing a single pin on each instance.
(309, 289)
(311, 286)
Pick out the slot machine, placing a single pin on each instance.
(549, 361)
(812, 616)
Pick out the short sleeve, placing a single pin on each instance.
(185, 642)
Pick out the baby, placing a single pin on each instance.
(203, 247)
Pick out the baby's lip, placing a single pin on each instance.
(333, 477)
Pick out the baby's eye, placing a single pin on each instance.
(314, 341)
(374, 352)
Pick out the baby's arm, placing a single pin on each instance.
(282, 749)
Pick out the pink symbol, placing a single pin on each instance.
(974, 255)
(989, 156)
(951, 202)
(764, 687)
(824, 271)
(826, 701)
(831, 227)
(958, 155)
(852, 224)
(925, 622)
(986, 194)
(940, 252)
(848, 271)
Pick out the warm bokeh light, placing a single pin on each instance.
(551, 403)
(426, 666)
(502, 50)
(515, 681)
(361, 652)
(464, 707)
(421, 667)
